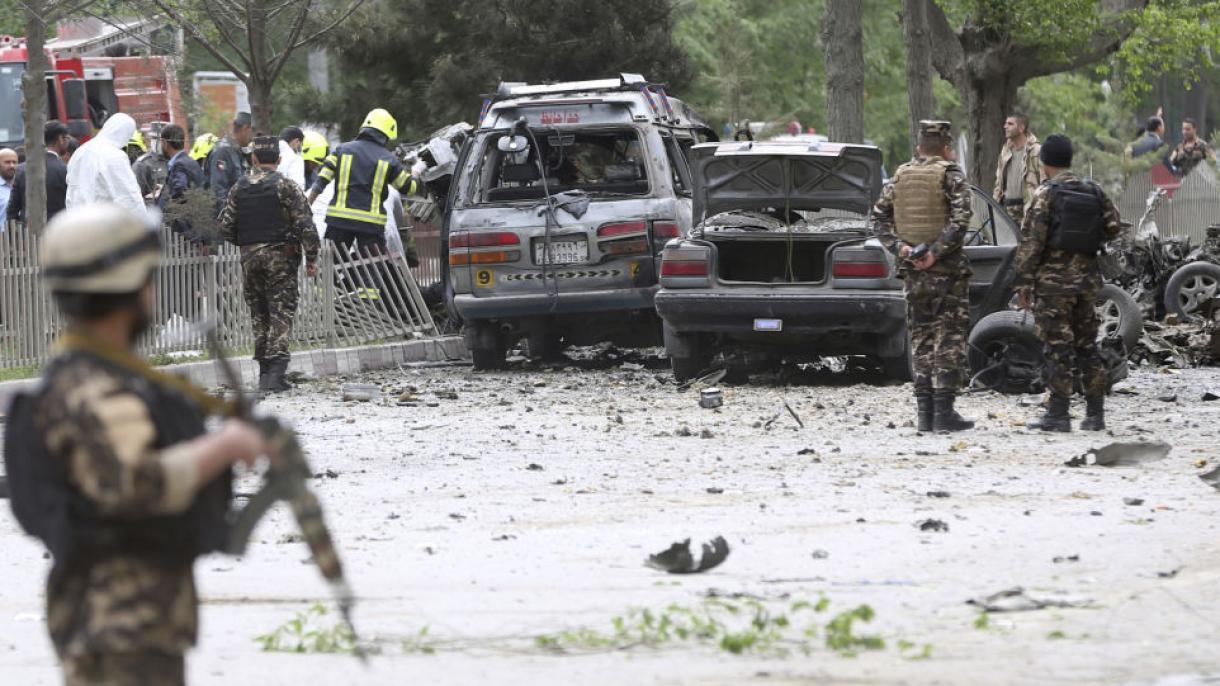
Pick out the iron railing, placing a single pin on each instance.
(359, 297)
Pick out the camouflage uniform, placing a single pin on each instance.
(270, 269)
(1063, 287)
(938, 299)
(126, 616)
(1015, 207)
(1187, 156)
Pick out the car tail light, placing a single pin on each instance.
(860, 263)
(483, 240)
(665, 230)
(458, 259)
(686, 265)
(621, 230)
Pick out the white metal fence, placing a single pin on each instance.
(357, 298)
(1194, 206)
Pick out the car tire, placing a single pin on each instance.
(488, 347)
(899, 367)
(1119, 315)
(1189, 287)
(689, 353)
(1006, 345)
(547, 347)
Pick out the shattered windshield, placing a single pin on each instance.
(12, 126)
(605, 162)
(799, 221)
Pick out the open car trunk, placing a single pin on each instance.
(758, 247)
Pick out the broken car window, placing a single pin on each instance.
(606, 161)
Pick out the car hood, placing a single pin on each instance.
(798, 176)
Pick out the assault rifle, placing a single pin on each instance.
(287, 479)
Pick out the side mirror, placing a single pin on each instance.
(512, 144)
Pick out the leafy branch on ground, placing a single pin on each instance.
(307, 633)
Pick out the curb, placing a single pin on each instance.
(314, 363)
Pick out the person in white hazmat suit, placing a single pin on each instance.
(100, 172)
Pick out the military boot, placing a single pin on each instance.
(944, 417)
(264, 375)
(275, 375)
(923, 403)
(1095, 414)
(1056, 417)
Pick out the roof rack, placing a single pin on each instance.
(517, 89)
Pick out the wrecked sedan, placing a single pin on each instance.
(782, 263)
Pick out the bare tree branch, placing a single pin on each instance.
(277, 62)
(948, 56)
(329, 27)
(203, 40)
(225, 34)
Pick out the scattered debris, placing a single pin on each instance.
(1171, 398)
(360, 392)
(938, 494)
(932, 525)
(1208, 396)
(329, 474)
(820, 554)
(715, 490)
(1017, 600)
(1212, 478)
(1133, 502)
(710, 398)
(535, 467)
(677, 559)
(1121, 455)
(1169, 574)
(1065, 558)
(794, 414)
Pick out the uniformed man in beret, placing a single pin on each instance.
(922, 217)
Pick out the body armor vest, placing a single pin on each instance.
(260, 219)
(49, 507)
(921, 210)
(1076, 221)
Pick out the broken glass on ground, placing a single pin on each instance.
(1016, 599)
(677, 559)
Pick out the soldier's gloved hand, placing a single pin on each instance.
(925, 262)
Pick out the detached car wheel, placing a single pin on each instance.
(1190, 286)
(898, 368)
(1119, 316)
(1005, 353)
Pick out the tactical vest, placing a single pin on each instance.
(1077, 222)
(260, 219)
(921, 210)
(49, 507)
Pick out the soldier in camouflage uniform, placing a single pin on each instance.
(927, 206)
(1191, 151)
(267, 215)
(109, 464)
(1058, 278)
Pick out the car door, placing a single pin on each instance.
(989, 246)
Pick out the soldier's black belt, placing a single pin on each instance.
(1013, 202)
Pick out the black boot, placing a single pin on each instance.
(1056, 417)
(944, 417)
(264, 376)
(275, 375)
(1095, 414)
(923, 401)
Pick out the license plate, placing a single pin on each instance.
(562, 252)
(768, 325)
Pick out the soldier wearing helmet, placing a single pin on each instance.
(922, 217)
(110, 465)
(365, 169)
(267, 217)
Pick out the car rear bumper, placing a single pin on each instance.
(808, 314)
(540, 304)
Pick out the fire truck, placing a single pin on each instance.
(92, 74)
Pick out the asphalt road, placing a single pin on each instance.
(492, 509)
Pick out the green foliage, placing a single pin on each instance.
(736, 627)
(983, 621)
(304, 634)
(1178, 37)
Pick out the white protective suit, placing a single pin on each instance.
(101, 172)
(393, 209)
(291, 165)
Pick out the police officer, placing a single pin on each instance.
(228, 161)
(365, 168)
(1058, 278)
(922, 217)
(151, 169)
(268, 217)
(109, 464)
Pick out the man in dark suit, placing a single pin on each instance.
(183, 173)
(56, 136)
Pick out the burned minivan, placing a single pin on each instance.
(561, 205)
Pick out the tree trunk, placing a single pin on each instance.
(35, 89)
(844, 45)
(920, 99)
(988, 102)
(261, 107)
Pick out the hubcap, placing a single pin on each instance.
(1195, 291)
(1110, 318)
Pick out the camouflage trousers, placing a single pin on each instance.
(1067, 325)
(938, 320)
(270, 283)
(125, 669)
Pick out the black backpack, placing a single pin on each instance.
(1077, 222)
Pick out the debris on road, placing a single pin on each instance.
(1017, 600)
(820, 555)
(360, 392)
(938, 494)
(710, 398)
(1133, 502)
(1058, 559)
(932, 525)
(677, 559)
(1121, 455)
(1212, 478)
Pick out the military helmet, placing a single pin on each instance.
(99, 248)
(382, 121)
(137, 139)
(936, 132)
(314, 147)
(203, 145)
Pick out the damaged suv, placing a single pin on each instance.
(782, 262)
(558, 212)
